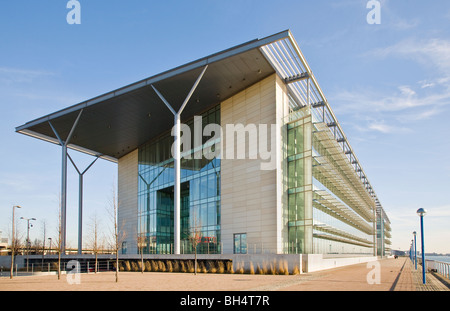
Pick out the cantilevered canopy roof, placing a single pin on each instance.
(111, 125)
(118, 122)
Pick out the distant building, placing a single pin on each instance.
(297, 189)
(3, 241)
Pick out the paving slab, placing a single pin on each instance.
(383, 275)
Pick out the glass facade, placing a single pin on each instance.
(319, 220)
(300, 186)
(200, 192)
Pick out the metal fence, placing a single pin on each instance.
(51, 267)
(132, 264)
(440, 267)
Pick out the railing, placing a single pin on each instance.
(132, 264)
(66, 265)
(440, 267)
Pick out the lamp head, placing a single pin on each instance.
(421, 212)
(414, 233)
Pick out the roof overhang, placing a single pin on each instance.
(120, 121)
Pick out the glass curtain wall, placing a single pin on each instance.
(299, 154)
(319, 222)
(200, 192)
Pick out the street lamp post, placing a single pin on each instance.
(13, 242)
(415, 249)
(411, 251)
(422, 212)
(28, 235)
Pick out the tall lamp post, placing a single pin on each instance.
(422, 212)
(13, 243)
(415, 249)
(28, 235)
(411, 251)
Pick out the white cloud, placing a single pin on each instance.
(420, 101)
(374, 101)
(10, 75)
(438, 211)
(425, 84)
(406, 90)
(386, 128)
(419, 115)
(433, 52)
(403, 24)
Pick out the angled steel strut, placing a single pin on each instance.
(177, 158)
(63, 199)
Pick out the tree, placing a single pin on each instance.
(195, 237)
(44, 230)
(93, 239)
(118, 235)
(59, 241)
(16, 246)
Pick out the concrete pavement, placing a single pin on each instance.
(385, 275)
(394, 275)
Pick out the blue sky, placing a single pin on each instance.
(388, 84)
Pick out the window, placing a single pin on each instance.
(124, 247)
(200, 193)
(240, 243)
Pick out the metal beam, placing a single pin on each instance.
(176, 132)
(298, 77)
(318, 104)
(164, 100)
(192, 90)
(63, 198)
(80, 201)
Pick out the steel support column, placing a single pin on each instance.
(177, 183)
(63, 198)
(176, 132)
(80, 201)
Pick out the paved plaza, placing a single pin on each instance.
(393, 275)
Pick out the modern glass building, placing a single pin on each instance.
(235, 153)
(200, 195)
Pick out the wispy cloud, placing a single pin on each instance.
(10, 75)
(381, 126)
(403, 24)
(386, 128)
(433, 52)
(416, 102)
(425, 84)
(439, 211)
(419, 114)
(370, 100)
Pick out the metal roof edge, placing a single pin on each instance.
(70, 146)
(161, 76)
